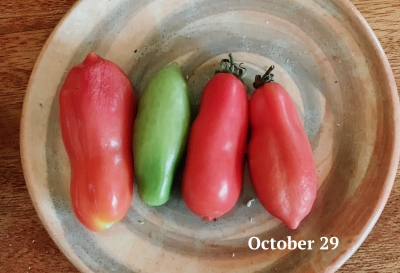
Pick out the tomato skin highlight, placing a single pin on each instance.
(96, 108)
(160, 135)
(280, 158)
(213, 173)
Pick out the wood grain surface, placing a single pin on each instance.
(25, 245)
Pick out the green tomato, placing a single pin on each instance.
(160, 134)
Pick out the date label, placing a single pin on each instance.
(327, 243)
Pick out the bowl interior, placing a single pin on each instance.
(325, 56)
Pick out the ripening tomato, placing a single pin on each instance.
(213, 173)
(280, 158)
(97, 107)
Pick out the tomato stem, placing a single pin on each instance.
(229, 66)
(266, 78)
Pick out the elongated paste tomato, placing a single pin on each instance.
(97, 107)
(213, 174)
(281, 163)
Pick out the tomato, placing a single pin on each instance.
(213, 172)
(96, 107)
(160, 134)
(280, 158)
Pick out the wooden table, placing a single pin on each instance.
(25, 245)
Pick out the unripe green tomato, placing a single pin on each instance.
(160, 134)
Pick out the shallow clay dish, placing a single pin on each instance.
(325, 55)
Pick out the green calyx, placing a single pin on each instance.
(229, 66)
(266, 78)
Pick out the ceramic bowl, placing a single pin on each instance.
(325, 55)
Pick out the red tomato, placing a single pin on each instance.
(96, 116)
(213, 174)
(281, 163)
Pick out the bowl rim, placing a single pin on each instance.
(346, 6)
(25, 161)
(395, 156)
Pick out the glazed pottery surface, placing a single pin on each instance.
(325, 55)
